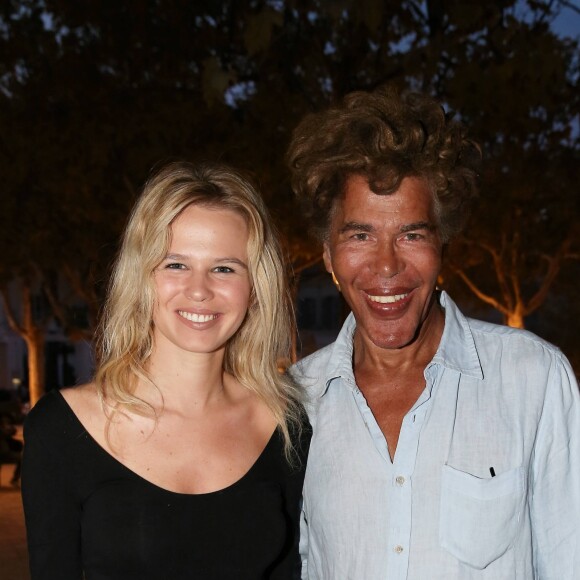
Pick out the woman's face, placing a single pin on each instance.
(203, 283)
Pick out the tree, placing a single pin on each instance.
(94, 95)
(518, 91)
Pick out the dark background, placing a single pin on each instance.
(94, 94)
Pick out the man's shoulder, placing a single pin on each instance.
(518, 353)
(311, 373)
(314, 365)
(491, 336)
(511, 338)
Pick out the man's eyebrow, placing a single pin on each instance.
(418, 226)
(356, 226)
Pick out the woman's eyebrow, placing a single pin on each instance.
(225, 259)
(234, 260)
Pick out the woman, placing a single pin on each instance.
(184, 458)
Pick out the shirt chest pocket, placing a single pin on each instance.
(480, 517)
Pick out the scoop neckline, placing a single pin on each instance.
(232, 487)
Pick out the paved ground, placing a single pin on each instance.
(13, 554)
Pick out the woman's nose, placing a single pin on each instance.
(198, 288)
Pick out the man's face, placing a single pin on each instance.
(385, 252)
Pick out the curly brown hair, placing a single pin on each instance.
(385, 136)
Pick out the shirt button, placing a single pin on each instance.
(400, 480)
(398, 549)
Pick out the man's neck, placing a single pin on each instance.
(408, 358)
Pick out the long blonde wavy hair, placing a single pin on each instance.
(125, 334)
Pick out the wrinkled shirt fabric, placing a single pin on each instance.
(497, 401)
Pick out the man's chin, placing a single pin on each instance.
(390, 340)
(392, 343)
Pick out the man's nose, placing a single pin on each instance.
(387, 261)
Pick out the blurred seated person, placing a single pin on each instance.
(10, 447)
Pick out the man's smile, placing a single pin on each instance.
(387, 299)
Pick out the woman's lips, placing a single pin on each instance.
(194, 317)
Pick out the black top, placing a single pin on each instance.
(87, 512)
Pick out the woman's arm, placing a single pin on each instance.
(51, 510)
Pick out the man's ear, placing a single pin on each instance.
(326, 257)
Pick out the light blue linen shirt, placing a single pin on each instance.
(495, 397)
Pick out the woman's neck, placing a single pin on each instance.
(185, 380)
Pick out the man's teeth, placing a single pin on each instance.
(387, 299)
(197, 317)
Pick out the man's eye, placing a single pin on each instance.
(361, 237)
(413, 236)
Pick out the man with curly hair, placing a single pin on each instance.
(444, 447)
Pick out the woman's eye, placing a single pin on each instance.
(223, 270)
(175, 266)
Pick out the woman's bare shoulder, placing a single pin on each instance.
(80, 394)
(85, 402)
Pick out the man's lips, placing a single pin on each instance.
(195, 317)
(390, 299)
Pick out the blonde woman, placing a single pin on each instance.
(185, 457)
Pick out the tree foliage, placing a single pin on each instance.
(94, 95)
(518, 91)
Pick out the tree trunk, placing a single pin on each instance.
(515, 320)
(35, 345)
(34, 336)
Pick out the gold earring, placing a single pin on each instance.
(336, 283)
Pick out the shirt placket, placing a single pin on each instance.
(400, 477)
(401, 492)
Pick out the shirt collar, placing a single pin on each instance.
(340, 361)
(456, 350)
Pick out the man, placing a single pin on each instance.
(443, 447)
